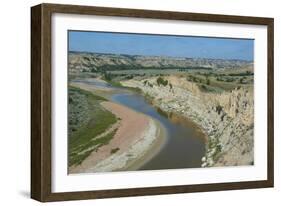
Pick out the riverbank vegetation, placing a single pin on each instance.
(88, 122)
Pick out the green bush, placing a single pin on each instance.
(114, 150)
(219, 109)
(161, 81)
(171, 86)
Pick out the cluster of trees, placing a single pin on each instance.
(232, 76)
(108, 76)
(199, 80)
(241, 80)
(247, 73)
(116, 67)
(194, 68)
(225, 79)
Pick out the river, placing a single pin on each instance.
(185, 145)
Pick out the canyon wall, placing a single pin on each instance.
(227, 118)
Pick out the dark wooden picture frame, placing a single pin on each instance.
(41, 101)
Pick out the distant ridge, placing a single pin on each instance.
(136, 55)
(88, 61)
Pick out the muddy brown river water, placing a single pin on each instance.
(185, 145)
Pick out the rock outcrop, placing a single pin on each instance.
(227, 118)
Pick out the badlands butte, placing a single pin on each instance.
(215, 94)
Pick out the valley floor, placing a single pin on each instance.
(134, 134)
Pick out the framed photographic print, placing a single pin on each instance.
(130, 102)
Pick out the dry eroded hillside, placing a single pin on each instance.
(226, 117)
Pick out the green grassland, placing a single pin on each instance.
(222, 81)
(86, 120)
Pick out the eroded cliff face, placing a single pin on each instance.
(227, 118)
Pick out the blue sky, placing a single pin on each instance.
(161, 45)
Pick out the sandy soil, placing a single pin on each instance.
(136, 135)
